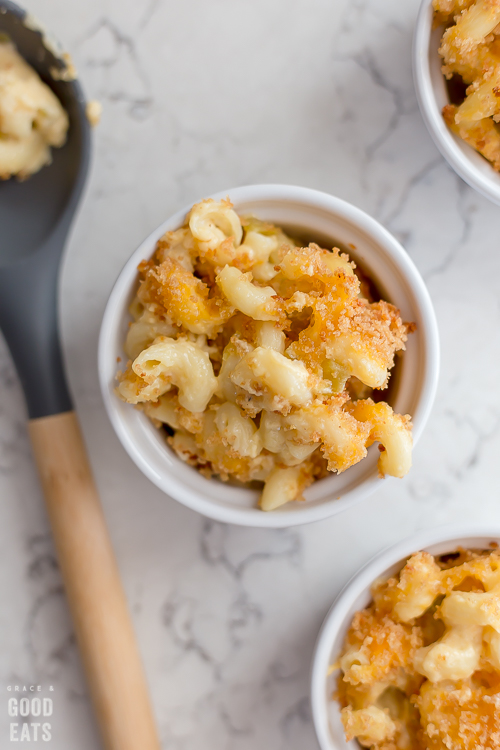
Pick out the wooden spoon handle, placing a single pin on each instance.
(93, 588)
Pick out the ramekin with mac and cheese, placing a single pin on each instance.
(470, 51)
(263, 358)
(420, 666)
(212, 347)
(409, 655)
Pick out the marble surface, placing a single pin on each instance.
(198, 97)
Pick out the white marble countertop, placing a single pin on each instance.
(198, 97)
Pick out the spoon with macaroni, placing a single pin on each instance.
(36, 211)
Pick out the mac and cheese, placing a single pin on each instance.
(470, 49)
(32, 118)
(261, 357)
(420, 667)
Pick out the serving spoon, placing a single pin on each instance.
(35, 216)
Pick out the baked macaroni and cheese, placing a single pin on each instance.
(420, 667)
(263, 358)
(470, 48)
(32, 119)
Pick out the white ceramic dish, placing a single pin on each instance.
(432, 96)
(355, 596)
(321, 215)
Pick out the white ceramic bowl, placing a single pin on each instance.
(333, 220)
(355, 596)
(432, 96)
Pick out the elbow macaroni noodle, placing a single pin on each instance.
(254, 353)
(420, 667)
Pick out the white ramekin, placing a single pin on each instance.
(382, 257)
(432, 96)
(355, 596)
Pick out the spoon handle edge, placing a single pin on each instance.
(94, 591)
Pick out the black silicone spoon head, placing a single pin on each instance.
(35, 216)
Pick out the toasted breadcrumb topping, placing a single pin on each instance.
(276, 345)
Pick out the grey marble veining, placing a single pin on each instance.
(199, 97)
